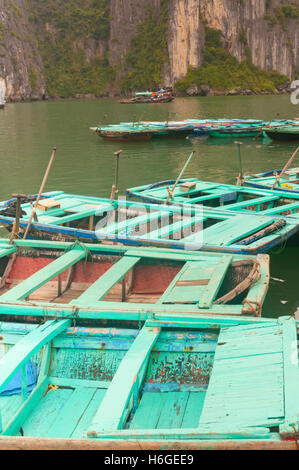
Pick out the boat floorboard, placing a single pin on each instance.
(63, 412)
(247, 374)
(169, 410)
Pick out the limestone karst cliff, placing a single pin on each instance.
(79, 47)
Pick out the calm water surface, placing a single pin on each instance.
(84, 163)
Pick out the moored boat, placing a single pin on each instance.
(143, 131)
(211, 384)
(61, 216)
(289, 181)
(224, 197)
(161, 96)
(99, 283)
(288, 131)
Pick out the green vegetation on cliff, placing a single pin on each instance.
(148, 53)
(222, 72)
(66, 28)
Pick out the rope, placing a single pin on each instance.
(88, 255)
(254, 307)
(263, 233)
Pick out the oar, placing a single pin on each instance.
(171, 191)
(285, 168)
(114, 189)
(40, 192)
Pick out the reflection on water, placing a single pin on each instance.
(85, 164)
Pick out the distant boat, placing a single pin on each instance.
(231, 128)
(283, 130)
(125, 132)
(161, 96)
(283, 133)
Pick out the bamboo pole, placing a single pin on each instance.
(16, 224)
(171, 191)
(240, 177)
(40, 192)
(285, 168)
(114, 189)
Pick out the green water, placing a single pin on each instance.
(84, 163)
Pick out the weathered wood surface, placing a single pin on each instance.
(155, 386)
(186, 226)
(26, 443)
(247, 380)
(101, 278)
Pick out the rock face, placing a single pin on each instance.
(186, 37)
(246, 27)
(21, 74)
(126, 15)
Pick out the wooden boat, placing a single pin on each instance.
(235, 131)
(229, 128)
(99, 283)
(68, 217)
(211, 384)
(285, 132)
(142, 131)
(289, 182)
(150, 97)
(124, 134)
(224, 197)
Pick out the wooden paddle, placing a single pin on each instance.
(171, 191)
(285, 168)
(40, 192)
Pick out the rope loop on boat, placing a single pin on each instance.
(255, 307)
(74, 316)
(88, 255)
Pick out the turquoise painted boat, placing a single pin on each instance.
(241, 130)
(143, 131)
(68, 217)
(283, 132)
(224, 197)
(95, 283)
(288, 183)
(217, 384)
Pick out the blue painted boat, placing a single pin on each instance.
(288, 183)
(62, 216)
(214, 384)
(223, 197)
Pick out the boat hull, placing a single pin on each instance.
(163, 385)
(126, 137)
(283, 136)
